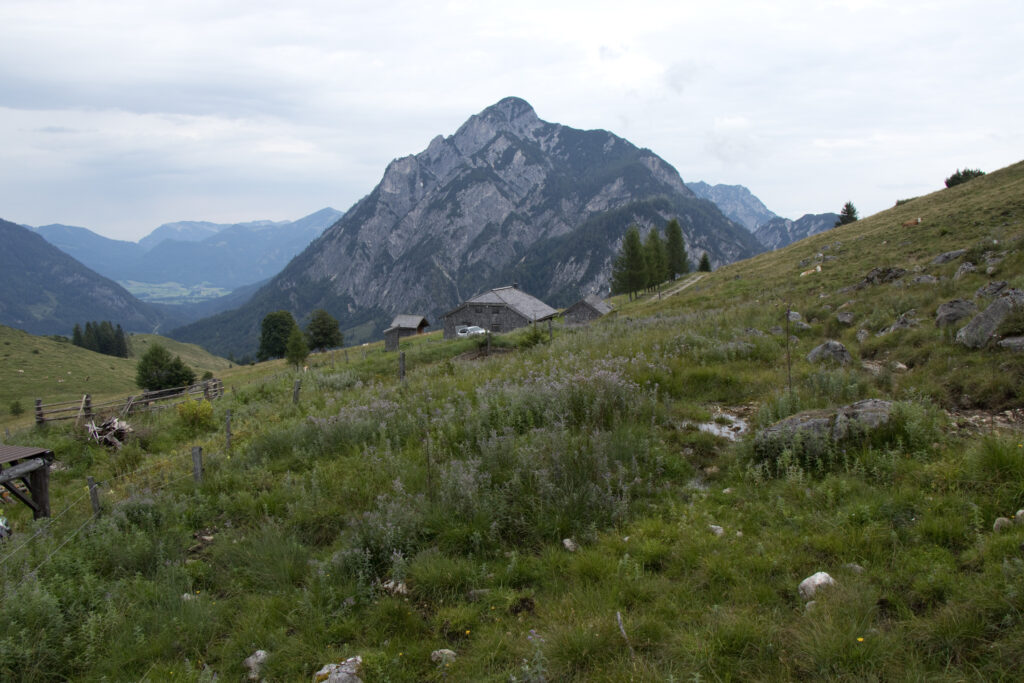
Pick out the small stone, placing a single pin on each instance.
(853, 567)
(727, 491)
(254, 663)
(716, 530)
(813, 583)
(898, 366)
(845, 318)
(809, 607)
(187, 596)
(344, 672)
(965, 268)
(862, 335)
(1012, 343)
(1019, 517)
(1001, 524)
(444, 656)
(830, 351)
(570, 545)
(739, 534)
(948, 256)
(395, 587)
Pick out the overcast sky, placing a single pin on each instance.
(120, 115)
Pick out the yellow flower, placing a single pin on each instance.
(467, 631)
(860, 639)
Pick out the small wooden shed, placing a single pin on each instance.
(590, 307)
(403, 326)
(32, 467)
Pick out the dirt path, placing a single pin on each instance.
(693, 279)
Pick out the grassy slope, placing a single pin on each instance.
(469, 474)
(43, 361)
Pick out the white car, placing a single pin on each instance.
(469, 331)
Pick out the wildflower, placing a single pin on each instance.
(860, 639)
(467, 631)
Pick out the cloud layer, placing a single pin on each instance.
(120, 115)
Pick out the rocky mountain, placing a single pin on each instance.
(736, 202)
(507, 197)
(45, 291)
(192, 253)
(780, 232)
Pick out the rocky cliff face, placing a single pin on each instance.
(780, 232)
(508, 196)
(736, 202)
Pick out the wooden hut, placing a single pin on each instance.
(403, 326)
(590, 307)
(498, 310)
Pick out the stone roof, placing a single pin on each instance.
(519, 301)
(408, 322)
(597, 303)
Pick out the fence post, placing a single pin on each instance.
(94, 496)
(88, 407)
(401, 366)
(227, 430)
(295, 390)
(197, 464)
(39, 411)
(551, 331)
(346, 356)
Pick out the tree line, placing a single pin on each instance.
(281, 337)
(645, 264)
(101, 337)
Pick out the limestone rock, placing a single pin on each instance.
(948, 256)
(1001, 524)
(1012, 343)
(954, 311)
(845, 318)
(254, 663)
(991, 289)
(810, 586)
(716, 530)
(965, 269)
(570, 545)
(830, 351)
(815, 429)
(1018, 518)
(344, 672)
(862, 335)
(979, 331)
(444, 656)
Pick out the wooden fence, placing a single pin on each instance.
(148, 400)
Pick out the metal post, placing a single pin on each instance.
(295, 390)
(94, 495)
(197, 464)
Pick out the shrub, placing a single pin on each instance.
(963, 176)
(157, 370)
(16, 408)
(196, 416)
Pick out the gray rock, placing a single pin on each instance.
(992, 288)
(716, 530)
(904, 322)
(853, 567)
(948, 256)
(444, 656)
(965, 268)
(862, 335)
(810, 586)
(794, 316)
(879, 276)
(845, 318)
(254, 663)
(873, 366)
(570, 545)
(800, 325)
(925, 280)
(979, 331)
(954, 311)
(814, 430)
(1001, 524)
(1018, 518)
(1012, 343)
(897, 366)
(859, 418)
(776, 330)
(341, 672)
(830, 351)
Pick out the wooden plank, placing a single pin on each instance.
(21, 469)
(21, 496)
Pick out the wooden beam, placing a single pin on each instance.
(21, 496)
(21, 469)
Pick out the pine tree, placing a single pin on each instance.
(76, 335)
(705, 264)
(629, 272)
(847, 215)
(678, 263)
(656, 259)
(120, 343)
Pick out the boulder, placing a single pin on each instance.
(954, 311)
(1012, 343)
(925, 280)
(965, 268)
(859, 418)
(948, 256)
(830, 351)
(845, 318)
(794, 316)
(814, 430)
(991, 289)
(979, 331)
(810, 586)
(904, 322)
(341, 672)
(1001, 524)
(444, 656)
(879, 276)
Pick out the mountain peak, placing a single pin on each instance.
(510, 109)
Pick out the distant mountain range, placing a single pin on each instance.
(45, 291)
(191, 253)
(772, 231)
(507, 198)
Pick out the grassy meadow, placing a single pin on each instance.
(390, 519)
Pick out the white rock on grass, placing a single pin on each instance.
(570, 545)
(343, 672)
(813, 583)
(443, 656)
(1001, 524)
(254, 663)
(1019, 517)
(716, 530)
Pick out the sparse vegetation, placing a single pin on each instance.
(963, 176)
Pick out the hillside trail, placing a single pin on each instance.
(692, 280)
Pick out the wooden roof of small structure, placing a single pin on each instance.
(407, 322)
(529, 307)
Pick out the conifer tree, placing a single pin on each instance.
(76, 335)
(705, 264)
(848, 214)
(678, 263)
(629, 272)
(656, 259)
(296, 350)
